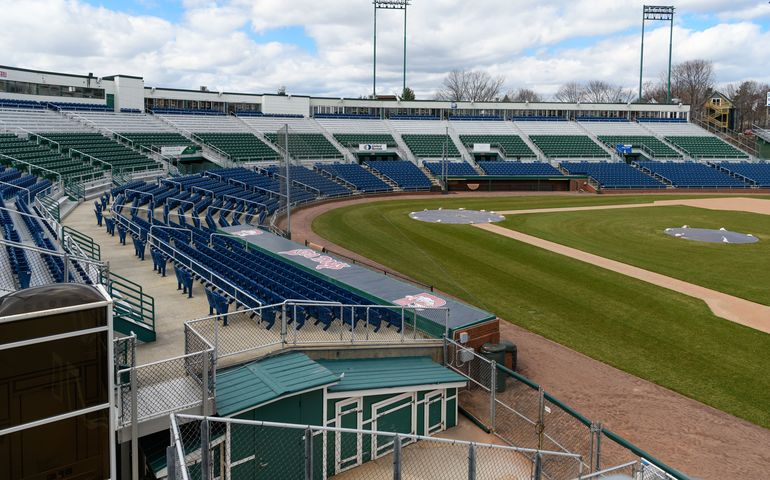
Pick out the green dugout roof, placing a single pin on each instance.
(246, 386)
(377, 373)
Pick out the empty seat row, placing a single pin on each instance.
(613, 175)
(403, 173)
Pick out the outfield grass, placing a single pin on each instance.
(636, 237)
(648, 331)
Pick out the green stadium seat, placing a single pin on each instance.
(568, 146)
(241, 147)
(430, 146)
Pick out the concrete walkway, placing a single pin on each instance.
(731, 308)
(172, 308)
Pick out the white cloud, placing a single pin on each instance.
(532, 43)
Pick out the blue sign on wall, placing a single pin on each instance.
(623, 149)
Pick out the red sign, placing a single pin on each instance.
(3, 74)
(421, 300)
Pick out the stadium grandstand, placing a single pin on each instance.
(236, 352)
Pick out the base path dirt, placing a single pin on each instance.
(695, 438)
(731, 308)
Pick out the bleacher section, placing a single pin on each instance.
(38, 121)
(240, 146)
(454, 169)
(205, 123)
(356, 175)
(561, 139)
(693, 140)
(519, 169)
(511, 146)
(757, 174)
(568, 146)
(431, 146)
(159, 139)
(403, 173)
(126, 122)
(705, 147)
(613, 175)
(312, 179)
(647, 143)
(109, 151)
(42, 156)
(691, 175)
(306, 145)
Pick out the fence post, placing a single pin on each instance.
(598, 446)
(205, 450)
(283, 323)
(66, 267)
(397, 458)
(472, 461)
(446, 350)
(205, 382)
(170, 463)
(134, 428)
(540, 418)
(492, 391)
(308, 454)
(538, 467)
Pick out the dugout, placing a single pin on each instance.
(412, 395)
(495, 183)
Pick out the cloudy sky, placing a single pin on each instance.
(325, 48)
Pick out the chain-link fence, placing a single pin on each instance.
(209, 448)
(159, 388)
(521, 413)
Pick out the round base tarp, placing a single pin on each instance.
(456, 217)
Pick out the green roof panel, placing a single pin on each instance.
(245, 386)
(376, 373)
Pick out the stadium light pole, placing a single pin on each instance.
(387, 5)
(658, 13)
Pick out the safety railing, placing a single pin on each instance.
(205, 448)
(289, 324)
(87, 244)
(521, 413)
(130, 301)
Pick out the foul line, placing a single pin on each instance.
(738, 310)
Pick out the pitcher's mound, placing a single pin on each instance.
(710, 235)
(459, 216)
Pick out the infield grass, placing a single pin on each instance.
(637, 237)
(656, 334)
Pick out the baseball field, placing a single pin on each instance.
(655, 333)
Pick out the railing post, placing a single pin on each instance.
(538, 475)
(205, 365)
(445, 350)
(598, 446)
(308, 454)
(66, 267)
(540, 418)
(283, 323)
(205, 450)
(397, 458)
(134, 428)
(170, 463)
(492, 391)
(472, 461)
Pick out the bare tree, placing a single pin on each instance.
(654, 92)
(522, 95)
(692, 82)
(599, 91)
(571, 92)
(749, 99)
(470, 85)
